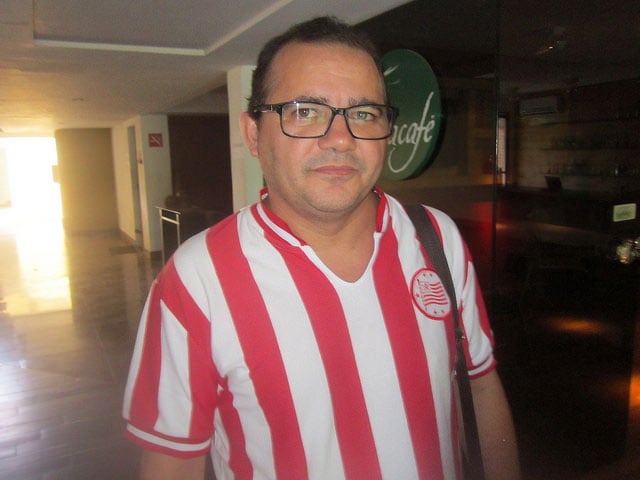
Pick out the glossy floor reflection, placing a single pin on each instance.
(68, 314)
(69, 310)
(566, 345)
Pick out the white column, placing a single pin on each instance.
(246, 175)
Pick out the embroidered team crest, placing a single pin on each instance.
(429, 294)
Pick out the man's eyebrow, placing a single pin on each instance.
(309, 98)
(353, 102)
(362, 101)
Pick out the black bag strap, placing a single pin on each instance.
(429, 238)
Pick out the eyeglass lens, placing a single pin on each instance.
(301, 119)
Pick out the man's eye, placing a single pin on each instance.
(305, 113)
(367, 114)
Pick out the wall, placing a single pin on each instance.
(154, 174)
(5, 193)
(246, 173)
(123, 181)
(87, 185)
(591, 142)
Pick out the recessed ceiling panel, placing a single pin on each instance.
(188, 24)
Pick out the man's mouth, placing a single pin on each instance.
(335, 170)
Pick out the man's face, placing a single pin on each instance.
(318, 177)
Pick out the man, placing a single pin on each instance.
(285, 340)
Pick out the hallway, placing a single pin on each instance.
(69, 310)
(68, 315)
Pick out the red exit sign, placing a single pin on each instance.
(155, 139)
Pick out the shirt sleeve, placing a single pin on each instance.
(479, 340)
(171, 392)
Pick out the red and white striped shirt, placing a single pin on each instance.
(250, 347)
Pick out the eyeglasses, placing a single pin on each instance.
(314, 119)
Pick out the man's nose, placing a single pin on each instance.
(338, 136)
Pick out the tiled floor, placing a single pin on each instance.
(69, 309)
(566, 340)
(68, 315)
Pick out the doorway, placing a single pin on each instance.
(34, 275)
(135, 185)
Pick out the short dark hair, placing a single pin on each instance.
(318, 30)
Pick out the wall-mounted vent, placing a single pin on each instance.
(539, 105)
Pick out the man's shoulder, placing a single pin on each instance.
(398, 207)
(216, 236)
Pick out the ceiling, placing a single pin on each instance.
(97, 63)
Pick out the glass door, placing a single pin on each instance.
(539, 165)
(570, 97)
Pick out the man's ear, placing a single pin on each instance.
(249, 131)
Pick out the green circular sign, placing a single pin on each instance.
(413, 88)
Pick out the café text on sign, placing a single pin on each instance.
(413, 88)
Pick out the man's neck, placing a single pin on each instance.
(343, 242)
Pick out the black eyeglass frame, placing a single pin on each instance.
(392, 115)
